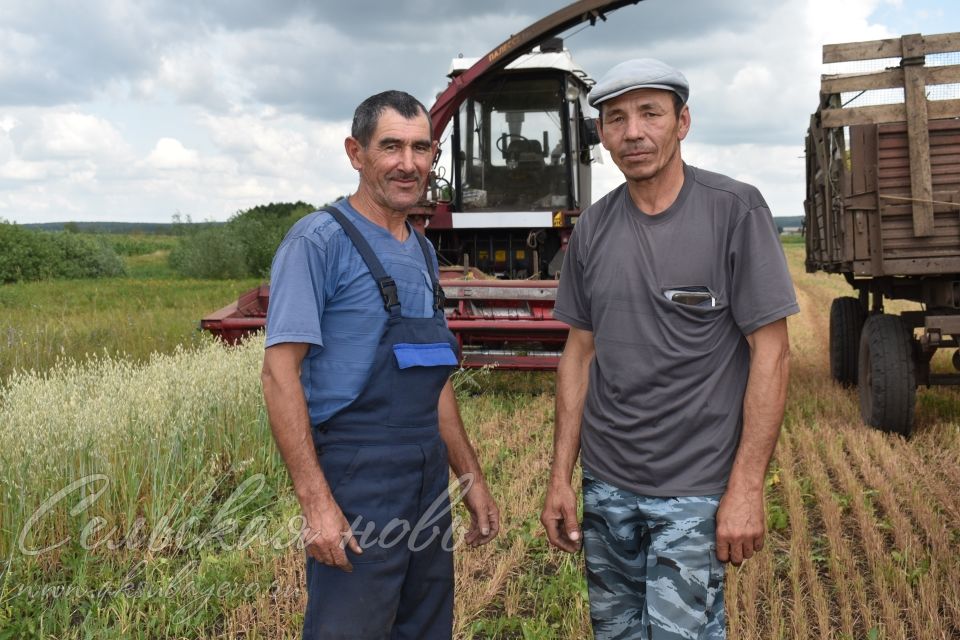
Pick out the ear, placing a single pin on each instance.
(684, 127)
(354, 151)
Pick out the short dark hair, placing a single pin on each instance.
(677, 105)
(367, 115)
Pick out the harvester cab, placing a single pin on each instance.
(517, 174)
(518, 167)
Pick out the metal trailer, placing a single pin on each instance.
(520, 156)
(883, 209)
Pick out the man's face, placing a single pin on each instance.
(642, 132)
(395, 164)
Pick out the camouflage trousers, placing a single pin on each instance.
(652, 568)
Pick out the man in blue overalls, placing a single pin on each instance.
(355, 378)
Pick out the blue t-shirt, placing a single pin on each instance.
(322, 294)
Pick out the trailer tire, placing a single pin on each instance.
(888, 386)
(846, 323)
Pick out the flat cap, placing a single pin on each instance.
(640, 73)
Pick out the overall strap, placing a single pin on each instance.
(438, 297)
(386, 284)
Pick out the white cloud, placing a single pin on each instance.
(55, 134)
(119, 110)
(169, 153)
(192, 75)
(19, 170)
(280, 146)
(829, 21)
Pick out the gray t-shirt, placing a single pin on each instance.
(664, 407)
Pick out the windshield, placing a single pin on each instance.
(513, 148)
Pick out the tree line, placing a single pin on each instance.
(241, 247)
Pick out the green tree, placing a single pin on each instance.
(241, 247)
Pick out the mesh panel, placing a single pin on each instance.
(892, 96)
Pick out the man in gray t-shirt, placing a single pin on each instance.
(673, 380)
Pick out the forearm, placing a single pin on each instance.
(573, 376)
(290, 425)
(763, 407)
(463, 459)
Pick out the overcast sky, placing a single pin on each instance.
(135, 111)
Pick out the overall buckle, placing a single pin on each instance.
(388, 291)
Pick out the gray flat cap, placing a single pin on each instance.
(641, 73)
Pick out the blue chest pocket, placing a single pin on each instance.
(424, 355)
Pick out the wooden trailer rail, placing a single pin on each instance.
(872, 208)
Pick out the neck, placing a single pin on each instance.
(655, 194)
(391, 220)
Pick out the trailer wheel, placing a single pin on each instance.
(888, 387)
(846, 322)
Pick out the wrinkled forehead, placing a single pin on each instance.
(392, 125)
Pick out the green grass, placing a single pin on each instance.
(42, 322)
(150, 266)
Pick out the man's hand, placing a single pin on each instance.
(740, 526)
(559, 517)
(484, 514)
(326, 533)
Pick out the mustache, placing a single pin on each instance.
(403, 175)
(637, 148)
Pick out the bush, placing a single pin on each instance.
(209, 253)
(262, 229)
(140, 244)
(85, 257)
(242, 247)
(39, 255)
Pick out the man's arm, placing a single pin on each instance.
(484, 514)
(573, 376)
(326, 531)
(741, 523)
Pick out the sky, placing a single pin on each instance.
(116, 110)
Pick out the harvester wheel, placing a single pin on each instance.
(888, 386)
(846, 322)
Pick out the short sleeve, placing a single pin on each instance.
(297, 280)
(573, 304)
(761, 289)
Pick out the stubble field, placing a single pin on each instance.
(143, 499)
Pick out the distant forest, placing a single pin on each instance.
(788, 222)
(162, 228)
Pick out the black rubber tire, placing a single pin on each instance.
(888, 384)
(846, 323)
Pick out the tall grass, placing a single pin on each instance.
(42, 322)
(109, 467)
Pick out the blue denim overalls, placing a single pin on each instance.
(387, 467)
